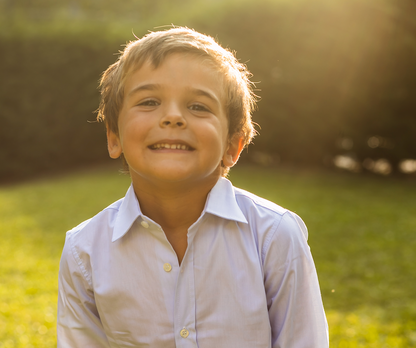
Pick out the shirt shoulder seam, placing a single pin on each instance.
(268, 241)
(262, 205)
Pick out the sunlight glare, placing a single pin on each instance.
(408, 166)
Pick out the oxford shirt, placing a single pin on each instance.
(247, 279)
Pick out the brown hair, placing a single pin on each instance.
(155, 46)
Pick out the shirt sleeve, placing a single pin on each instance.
(78, 323)
(296, 312)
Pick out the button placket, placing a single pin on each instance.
(185, 302)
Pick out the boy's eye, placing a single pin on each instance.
(149, 102)
(199, 107)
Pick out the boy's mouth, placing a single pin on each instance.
(160, 146)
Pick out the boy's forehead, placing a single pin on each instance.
(150, 64)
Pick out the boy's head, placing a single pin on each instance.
(154, 48)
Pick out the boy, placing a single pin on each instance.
(185, 259)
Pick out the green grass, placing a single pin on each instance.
(362, 235)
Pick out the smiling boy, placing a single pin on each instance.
(185, 259)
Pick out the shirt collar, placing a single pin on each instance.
(128, 213)
(220, 202)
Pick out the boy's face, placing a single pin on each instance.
(173, 126)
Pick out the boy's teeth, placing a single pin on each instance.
(170, 146)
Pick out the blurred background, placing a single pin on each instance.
(337, 79)
(336, 144)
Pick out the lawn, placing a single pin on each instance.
(362, 233)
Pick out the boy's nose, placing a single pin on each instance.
(173, 118)
(174, 123)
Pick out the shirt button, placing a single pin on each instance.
(184, 333)
(167, 267)
(144, 224)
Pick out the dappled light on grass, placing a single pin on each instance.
(27, 290)
(367, 328)
(33, 220)
(361, 233)
(27, 278)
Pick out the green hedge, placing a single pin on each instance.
(327, 70)
(47, 98)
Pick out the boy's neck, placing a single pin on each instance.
(175, 207)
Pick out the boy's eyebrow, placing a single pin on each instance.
(207, 94)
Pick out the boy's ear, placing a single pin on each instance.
(113, 144)
(235, 146)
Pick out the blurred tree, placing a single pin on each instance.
(327, 71)
(334, 76)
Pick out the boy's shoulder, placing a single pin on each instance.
(260, 210)
(101, 223)
(259, 202)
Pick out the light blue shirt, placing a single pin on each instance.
(247, 279)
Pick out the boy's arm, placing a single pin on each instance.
(78, 323)
(296, 312)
